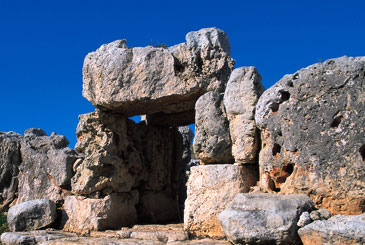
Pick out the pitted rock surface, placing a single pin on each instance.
(339, 229)
(242, 93)
(313, 135)
(137, 81)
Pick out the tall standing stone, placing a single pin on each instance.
(242, 93)
(212, 143)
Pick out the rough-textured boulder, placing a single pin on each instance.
(147, 80)
(112, 211)
(46, 168)
(158, 207)
(212, 142)
(339, 229)
(31, 215)
(262, 218)
(209, 189)
(10, 160)
(242, 93)
(313, 135)
(121, 155)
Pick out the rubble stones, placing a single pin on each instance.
(137, 81)
(262, 218)
(313, 134)
(242, 93)
(212, 143)
(209, 189)
(31, 215)
(339, 229)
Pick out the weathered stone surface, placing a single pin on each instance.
(112, 211)
(10, 160)
(147, 80)
(242, 93)
(212, 142)
(209, 189)
(313, 135)
(33, 237)
(121, 155)
(262, 218)
(111, 160)
(158, 207)
(46, 168)
(304, 219)
(339, 229)
(31, 215)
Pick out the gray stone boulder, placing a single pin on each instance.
(212, 142)
(46, 167)
(242, 93)
(209, 189)
(31, 215)
(10, 159)
(313, 136)
(147, 80)
(339, 229)
(262, 218)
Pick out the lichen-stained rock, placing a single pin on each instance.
(313, 135)
(46, 167)
(120, 155)
(31, 215)
(145, 80)
(242, 93)
(339, 229)
(212, 142)
(10, 160)
(263, 218)
(112, 211)
(209, 189)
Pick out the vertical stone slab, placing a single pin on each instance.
(242, 93)
(212, 143)
(209, 189)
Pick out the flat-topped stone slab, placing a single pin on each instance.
(146, 80)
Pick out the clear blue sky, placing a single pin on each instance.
(43, 44)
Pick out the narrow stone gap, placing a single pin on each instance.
(276, 150)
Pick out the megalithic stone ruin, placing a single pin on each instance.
(299, 145)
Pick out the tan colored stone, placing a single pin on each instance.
(113, 211)
(209, 189)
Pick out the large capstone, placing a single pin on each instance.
(147, 80)
(313, 137)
